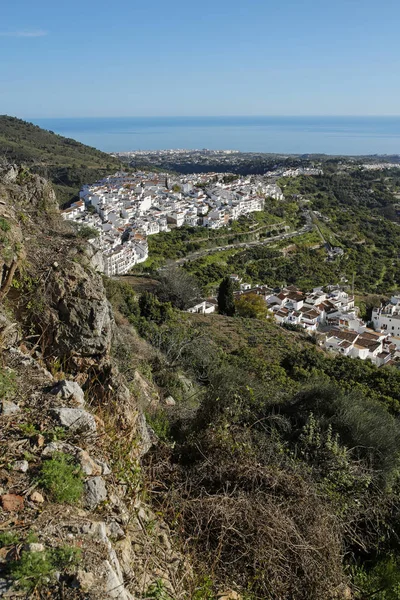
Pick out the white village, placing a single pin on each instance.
(330, 314)
(124, 209)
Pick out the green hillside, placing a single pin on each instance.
(66, 162)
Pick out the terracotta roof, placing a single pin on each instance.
(346, 335)
(371, 335)
(312, 314)
(370, 344)
(345, 344)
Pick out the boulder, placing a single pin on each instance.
(89, 466)
(76, 420)
(21, 465)
(36, 497)
(82, 313)
(34, 547)
(69, 390)
(169, 401)
(114, 584)
(9, 408)
(95, 491)
(83, 580)
(58, 447)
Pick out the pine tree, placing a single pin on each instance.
(226, 303)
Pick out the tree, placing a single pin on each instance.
(251, 306)
(178, 287)
(154, 310)
(226, 302)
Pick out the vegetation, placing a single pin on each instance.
(7, 382)
(34, 569)
(66, 162)
(226, 303)
(282, 460)
(178, 287)
(251, 306)
(62, 478)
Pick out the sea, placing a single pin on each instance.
(281, 135)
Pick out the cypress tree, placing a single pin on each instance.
(226, 303)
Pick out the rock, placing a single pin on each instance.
(96, 529)
(58, 447)
(37, 497)
(105, 469)
(5, 586)
(83, 320)
(145, 435)
(229, 595)
(12, 502)
(169, 401)
(69, 390)
(76, 419)
(114, 584)
(89, 466)
(96, 491)
(9, 408)
(21, 465)
(40, 440)
(115, 531)
(34, 547)
(9, 173)
(83, 580)
(343, 592)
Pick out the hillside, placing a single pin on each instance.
(65, 162)
(74, 523)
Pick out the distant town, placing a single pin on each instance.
(126, 208)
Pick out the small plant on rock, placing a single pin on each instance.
(62, 478)
(32, 570)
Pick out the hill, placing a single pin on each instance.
(64, 161)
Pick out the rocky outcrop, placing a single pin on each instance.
(81, 313)
(65, 397)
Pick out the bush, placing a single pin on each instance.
(87, 233)
(62, 478)
(4, 224)
(8, 538)
(34, 569)
(7, 383)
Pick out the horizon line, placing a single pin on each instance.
(212, 116)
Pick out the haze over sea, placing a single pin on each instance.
(288, 135)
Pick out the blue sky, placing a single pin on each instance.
(215, 57)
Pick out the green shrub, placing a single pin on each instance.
(157, 591)
(4, 224)
(381, 582)
(7, 383)
(32, 569)
(66, 557)
(62, 478)
(87, 233)
(158, 421)
(8, 538)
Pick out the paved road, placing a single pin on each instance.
(283, 236)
